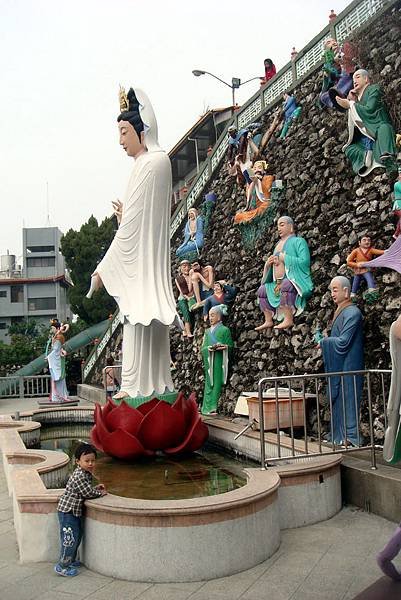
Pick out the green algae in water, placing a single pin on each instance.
(203, 473)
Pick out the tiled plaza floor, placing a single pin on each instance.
(334, 560)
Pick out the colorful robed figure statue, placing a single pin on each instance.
(55, 356)
(371, 139)
(343, 351)
(216, 348)
(286, 281)
(193, 234)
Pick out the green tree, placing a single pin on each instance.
(82, 251)
(28, 341)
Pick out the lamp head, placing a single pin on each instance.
(197, 72)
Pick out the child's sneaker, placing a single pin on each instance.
(65, 572)
(76, 563)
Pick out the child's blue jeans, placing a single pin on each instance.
(71, 529)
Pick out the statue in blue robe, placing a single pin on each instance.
(343, 351)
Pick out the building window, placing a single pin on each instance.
(17, 293)
(41, 304)
(41, 261)
(40, 249)
(3, 293)
(3, 325)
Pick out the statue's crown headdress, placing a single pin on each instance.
(124, 104)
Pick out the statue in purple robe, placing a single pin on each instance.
(343, 351)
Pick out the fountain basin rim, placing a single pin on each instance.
(260, 486)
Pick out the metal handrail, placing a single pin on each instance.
(115, 366)
(353, 17)
(315, 377)
(100, 346)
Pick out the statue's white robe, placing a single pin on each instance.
(136, 272)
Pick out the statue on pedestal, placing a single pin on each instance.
(371, 139)
(136, 268)
(55, 356)
(216, 346)
(193, 235)
(358, 257)
(286, 282)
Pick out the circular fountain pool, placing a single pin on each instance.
(204, 473)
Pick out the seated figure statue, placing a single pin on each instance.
(340, 64)
(258, 194)
(248, 151)
(286, 282)
(222, 294)
(193, 234)
(358, 257)
(371, 139)
(186, 297)
(202, 280)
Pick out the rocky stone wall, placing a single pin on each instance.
(331, 207)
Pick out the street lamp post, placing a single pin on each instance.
(235, 82)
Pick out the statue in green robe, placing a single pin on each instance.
(371, 139)
(216, 347)
(286, 282)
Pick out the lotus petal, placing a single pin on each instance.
(148, 406)
(189, 408)
(101, 430)
(95, 439)
(162, 427)
(194, 440)
(122, 444)
(108, 407)
(123, 417)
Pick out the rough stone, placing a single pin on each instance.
(331, 206)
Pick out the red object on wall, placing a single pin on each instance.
(127, 433)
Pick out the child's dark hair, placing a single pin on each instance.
(84, 449)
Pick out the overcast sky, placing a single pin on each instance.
(60, 66)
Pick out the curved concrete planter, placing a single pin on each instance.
(171, 540)
(310, 491)
(184, 540)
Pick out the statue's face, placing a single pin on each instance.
(185, 268)
(214, 317)
(53, 329)
(338, 292)
(129, 139)
(217, 288)
(284, 228)
(365, 242)
(331, 44)
(192, 215)
(196, 266)
(360, 80)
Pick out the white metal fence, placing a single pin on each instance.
(25, 387)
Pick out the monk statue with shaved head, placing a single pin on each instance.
(343, 351)
(286, 282)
